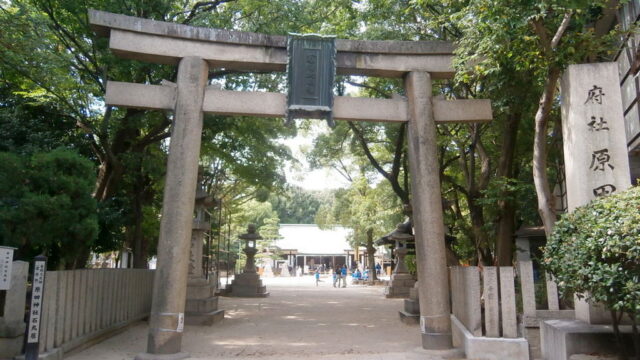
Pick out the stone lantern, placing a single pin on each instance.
(248, 284)
(202, 303)
(401, 281)
(401, 239)
(250, 250)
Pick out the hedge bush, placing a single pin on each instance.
(595, 250)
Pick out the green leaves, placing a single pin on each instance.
(596, 250)
(46, 205)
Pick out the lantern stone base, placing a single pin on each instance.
(410, 315)
(399, 286)
(248, 285)
(202, 304)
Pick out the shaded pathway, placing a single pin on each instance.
(297, 321)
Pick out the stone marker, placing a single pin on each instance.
(527, 288)
(552, 292)
(491, 301)
(6, 263)
(595, 148)
(508, 302)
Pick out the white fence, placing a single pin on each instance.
(83, 304)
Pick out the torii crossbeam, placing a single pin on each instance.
(195, 50)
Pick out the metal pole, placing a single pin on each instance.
(229, 246)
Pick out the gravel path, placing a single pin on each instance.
(298, 320)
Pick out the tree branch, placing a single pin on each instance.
(373, 88)
(205, 6)
(561, 29)
(541, 31)
(397, 156)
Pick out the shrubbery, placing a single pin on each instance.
(46, 206)
(595, 250)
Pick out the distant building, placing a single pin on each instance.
(309, 247)
(628, 59)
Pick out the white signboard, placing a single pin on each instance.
(180, 323)
(595, 147)
(6, 264)
(37, 293)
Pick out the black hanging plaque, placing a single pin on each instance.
(311, 72)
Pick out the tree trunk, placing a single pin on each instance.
(506, 206)
(546, 206)
(138, 241)
(370, 258)
(616, 331)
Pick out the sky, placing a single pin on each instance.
(301, 175)
(322, 178)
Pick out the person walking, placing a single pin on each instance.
(343, 272)
(336, 276)
(317, 276)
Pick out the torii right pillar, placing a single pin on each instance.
(433, 288)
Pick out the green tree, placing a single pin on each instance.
(46, 206)
(536, 41)
(595, 251)
(296, 205)
(369, 210)
(54, 63)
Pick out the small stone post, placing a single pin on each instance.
(166, 321)
(435, 321)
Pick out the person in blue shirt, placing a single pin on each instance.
(343, 272)
(378, 268)
(317, 276)
(336, 276)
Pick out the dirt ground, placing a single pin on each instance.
(297, 321)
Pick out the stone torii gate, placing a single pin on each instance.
(195, 50)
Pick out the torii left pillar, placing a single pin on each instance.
(166, 321)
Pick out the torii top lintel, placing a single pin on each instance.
(166, 43)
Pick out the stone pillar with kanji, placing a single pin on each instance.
(595, 148)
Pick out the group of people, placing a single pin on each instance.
(339, 276)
